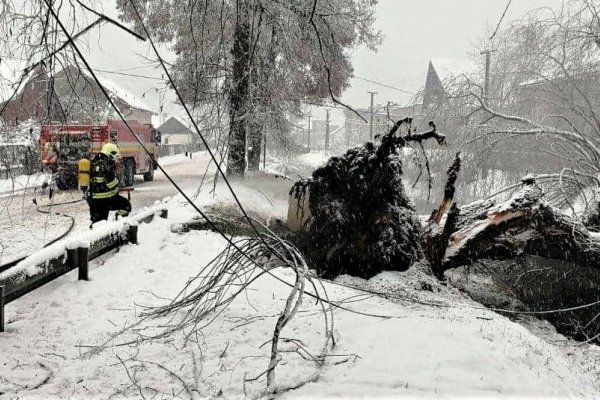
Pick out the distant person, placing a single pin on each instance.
(103, 195)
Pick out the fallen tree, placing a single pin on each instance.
(524, 224)
(355, 218)
(532, 251)
(354, 212)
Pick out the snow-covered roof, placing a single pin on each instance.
(173, 121)
(132, 100)
(184, 120)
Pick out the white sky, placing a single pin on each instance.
(415, 32)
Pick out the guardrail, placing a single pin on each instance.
(26, 275)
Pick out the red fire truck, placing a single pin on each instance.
(62, 146)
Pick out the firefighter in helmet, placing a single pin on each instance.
(103, 193)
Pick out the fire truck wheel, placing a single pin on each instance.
(66, 181)
(128, 172)
(149, 176)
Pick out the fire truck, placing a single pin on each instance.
(62, 146)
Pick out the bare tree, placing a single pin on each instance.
(542, 105)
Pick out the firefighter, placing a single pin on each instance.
(103, 194)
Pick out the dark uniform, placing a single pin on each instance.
(104, 188)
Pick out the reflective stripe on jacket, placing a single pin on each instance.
(103, 181)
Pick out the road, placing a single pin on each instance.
(24, 229)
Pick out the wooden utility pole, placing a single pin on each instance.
(347, 128)
(372, 112)
(264, 151)
(308, 136)
(327, 131)
(486, 88)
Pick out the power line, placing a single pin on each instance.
(133, 75)
(134, 68)
(501, 18)
(383, 84)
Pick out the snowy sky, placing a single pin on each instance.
(415, 32)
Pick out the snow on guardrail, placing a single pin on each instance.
(39, 261)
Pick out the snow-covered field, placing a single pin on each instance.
(425, 340)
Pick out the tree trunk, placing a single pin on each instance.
(255, 133)
(524, 224)
(263, 81)
(239, 94)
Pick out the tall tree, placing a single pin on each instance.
(261, 57)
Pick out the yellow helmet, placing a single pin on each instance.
(111, 150)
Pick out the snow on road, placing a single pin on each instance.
(25, 229)
(411, 349)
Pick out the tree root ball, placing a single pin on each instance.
(362, 221)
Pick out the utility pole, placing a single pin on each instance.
(327, 131)
(264, 138)
(347, 128)
(486, 88)
(372, 112)
(160, 107)
(309, 115)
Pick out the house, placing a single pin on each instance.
(69, 95)
(176, 130)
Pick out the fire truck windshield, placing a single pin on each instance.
(73, 147)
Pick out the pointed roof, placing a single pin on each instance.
(175, 126)
(448, 69)
(434, 90)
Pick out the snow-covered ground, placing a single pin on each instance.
(315, 159)
(20, 183)
(25, 229)
(425, 340)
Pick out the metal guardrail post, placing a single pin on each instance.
(72, 258)
(2, 291)
(132, 234)
(83, 263)
(164, 213)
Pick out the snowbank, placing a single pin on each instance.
(314, 159)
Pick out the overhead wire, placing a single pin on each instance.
(383, 84)
(501, 19)
(131, 75)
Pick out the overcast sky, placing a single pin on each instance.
(419, 30)
(415, 31)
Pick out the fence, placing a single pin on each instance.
(23, 276)
(172, 149)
